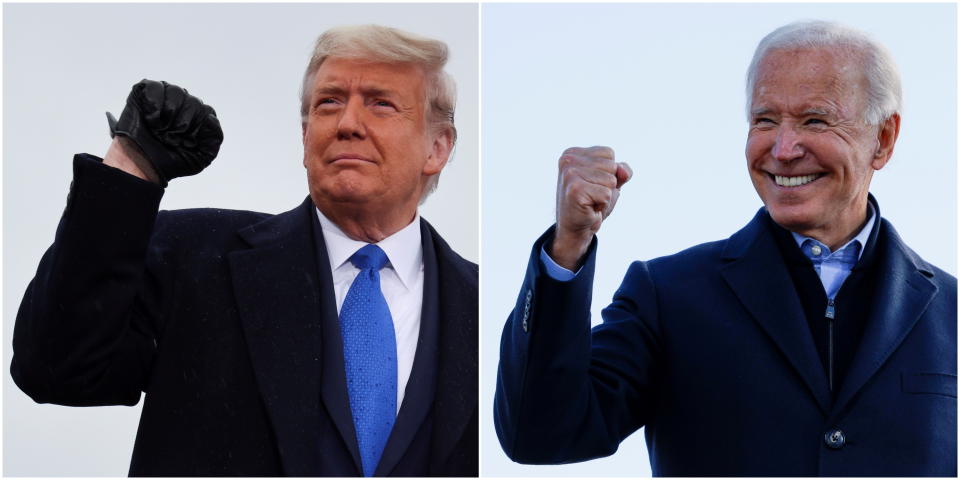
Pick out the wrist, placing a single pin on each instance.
(567, 249)
(125, 155)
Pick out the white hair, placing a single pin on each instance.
(884, 97)
(390, 45)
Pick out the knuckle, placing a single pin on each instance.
(575, 189)
(609, 180)
(570, 156)
(602, 151)
(573, 151)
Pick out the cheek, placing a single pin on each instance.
(757, 146)
(833, 154)
(314, 143)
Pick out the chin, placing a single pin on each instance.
(339, 195)
(343, 190)
(794, 218)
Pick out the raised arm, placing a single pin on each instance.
(87, 326)
(564, 393)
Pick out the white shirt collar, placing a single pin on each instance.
(861, 237)
(404, 249)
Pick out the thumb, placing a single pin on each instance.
(624, 173)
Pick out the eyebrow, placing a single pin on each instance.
(810, 111)
(333, 89)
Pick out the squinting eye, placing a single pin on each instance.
(763, 121)
(382, 103)
(815, 121)
(325, 103)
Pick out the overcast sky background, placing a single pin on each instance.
(64, 65)
(663, 84)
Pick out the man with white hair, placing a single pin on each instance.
(811, 342)
(336, 339)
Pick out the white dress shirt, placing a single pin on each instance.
(401, 281)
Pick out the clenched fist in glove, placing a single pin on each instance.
(177, 133)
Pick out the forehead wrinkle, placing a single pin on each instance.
(816, 111)
(805, 98)
(336, 87)
(373, 82)
(796, 106)
(366, 86)
(376, 91)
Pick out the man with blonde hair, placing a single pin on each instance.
(336, 339)
(811, 342)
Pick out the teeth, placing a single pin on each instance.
(794, 181)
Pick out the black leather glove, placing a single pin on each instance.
(178, 133)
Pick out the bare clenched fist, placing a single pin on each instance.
(588, 185)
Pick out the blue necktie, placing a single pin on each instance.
(369, 357)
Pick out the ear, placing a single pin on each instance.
(303, 128)
(439, 152)
(886, 138)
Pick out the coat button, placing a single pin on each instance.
(526, 311)
(834, 439)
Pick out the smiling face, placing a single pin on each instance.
(810, 154)
(367, 145)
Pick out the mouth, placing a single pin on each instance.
(350, 158)
(795, 181)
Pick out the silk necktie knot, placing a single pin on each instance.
(370, 257)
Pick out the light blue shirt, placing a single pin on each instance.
(555, 271)
(832, 267)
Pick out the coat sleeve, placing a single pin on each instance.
(85, 332)
(566, 393)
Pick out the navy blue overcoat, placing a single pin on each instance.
(710, 350)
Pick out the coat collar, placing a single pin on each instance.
(756, 272)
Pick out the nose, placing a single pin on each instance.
(788, 145)
(350, 124)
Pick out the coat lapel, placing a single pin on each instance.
(760, 279)
(903, 292)
(277, 293)
(334, 393)
(455, 405)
